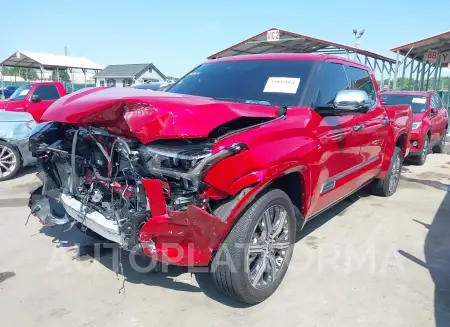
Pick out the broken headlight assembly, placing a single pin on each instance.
(187, 160)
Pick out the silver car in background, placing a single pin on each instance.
(15, 130)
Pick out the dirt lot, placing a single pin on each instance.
(368, 262)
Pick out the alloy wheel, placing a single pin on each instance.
(8, 161)
(269, 244)
(425, 149)
(395, 174)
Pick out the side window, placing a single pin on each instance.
(438, 102)
(102, 83)
(433, 103)
(47, 92)
(332, 80)
(360, 80)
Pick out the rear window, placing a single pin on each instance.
(418, 103)
(270, 82)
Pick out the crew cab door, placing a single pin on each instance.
(372, 126)
(439, 119)
(40, 98)
(337, 139)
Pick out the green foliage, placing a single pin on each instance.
(63, 75)
(28, 74)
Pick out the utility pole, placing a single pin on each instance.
(65, 51)
(358, 35)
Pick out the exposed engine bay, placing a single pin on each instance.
(97, 178)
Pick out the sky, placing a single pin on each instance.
(178, 35)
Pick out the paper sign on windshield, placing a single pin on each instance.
(419, 100)
(24, 92)
(282, 85)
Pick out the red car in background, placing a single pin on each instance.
(34, 98)
(430, 123)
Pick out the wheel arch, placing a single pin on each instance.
(402, 143)
(292, 181)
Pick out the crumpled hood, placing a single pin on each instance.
(150, 115)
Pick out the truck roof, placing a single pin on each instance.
(288, 56)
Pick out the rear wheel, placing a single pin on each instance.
(9, 161)
(253, 259)
(422, 157)
(388, 186)
(440, 147)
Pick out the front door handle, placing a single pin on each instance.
(385, 121)
(357, 128)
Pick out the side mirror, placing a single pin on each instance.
(35, 98)
(352, 100)
(434, 111)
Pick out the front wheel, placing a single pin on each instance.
(9, 161)
(253, 259)
(440, 147)
(388, 185)
(422, 157)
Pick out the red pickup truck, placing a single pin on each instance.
(221, 169)
(34, 98)
(430, 123)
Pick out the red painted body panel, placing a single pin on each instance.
(318, 149)
(431, 125)
(36, 109)
(150, 115)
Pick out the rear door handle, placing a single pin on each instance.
(357, 128)
(385, 121)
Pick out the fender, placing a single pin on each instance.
(259, 181)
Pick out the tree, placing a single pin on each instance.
(28, 74)
(63, 75)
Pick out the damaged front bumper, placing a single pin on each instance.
(185, 238)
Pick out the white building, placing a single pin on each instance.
(127, 75)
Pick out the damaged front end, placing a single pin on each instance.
(142, 196)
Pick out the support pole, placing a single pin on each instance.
(404, 72)
(390, 73)
(416, 82)
(436, 68)
(439, 79)
(397, 64)
(411, 75)
(422, 78)
(428, 76)
(84, 72)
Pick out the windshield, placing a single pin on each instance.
(418, 103)
(21, 92)
(270, 82)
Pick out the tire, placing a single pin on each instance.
(440, 147)
(9, 161)
(232, 268)
(422, 157)
(387, 186)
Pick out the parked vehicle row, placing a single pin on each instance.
(430, 122)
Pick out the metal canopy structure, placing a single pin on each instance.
(276, 40)
(25, 59)
(47, 61)
(423, 59)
